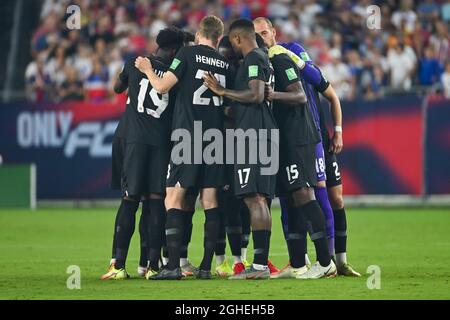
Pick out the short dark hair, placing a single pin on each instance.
(244, 26)
(188, 36)
(170, 38)
(225, 42)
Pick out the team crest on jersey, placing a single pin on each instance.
(305, 57)
(175, 64)
(253, 71)
(291, 74)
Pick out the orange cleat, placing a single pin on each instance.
(238, 268)
(272, 268)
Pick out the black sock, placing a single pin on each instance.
(221, 236)
(114, 244)
(261, 244)
(296, 237)
(155, 231)
(245, 220)
(340, 230)
(314, 214)
(143, 233)
(174, 235)
(233, 225)
(187, 232)
(126, 220)
(211, 228)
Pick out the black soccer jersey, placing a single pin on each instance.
(296, 123)
(194, 101)
(255, 66)
(148, 114)
(121, 127)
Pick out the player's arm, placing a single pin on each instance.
(119, 86)
(294, 96)
(308, 71)
(121, 83)
(287, 77)
(337, 143)
(254, 65)
(161, 85)
(254, 93)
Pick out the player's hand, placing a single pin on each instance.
(336, 143)
(212, 84)
(143, 64)
(268, 92)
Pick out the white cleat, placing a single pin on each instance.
(317, 271)
(141, 271)
(289, 272)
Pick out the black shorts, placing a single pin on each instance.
(332, 170)
(195, 176)
(297, 168)
(144, 169)
(118, 151)
(248, 180)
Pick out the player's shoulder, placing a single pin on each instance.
(280, 57)
(129, 64)
(158, 63)
(257, 55)
(299, 50)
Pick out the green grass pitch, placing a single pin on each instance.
(411, 247)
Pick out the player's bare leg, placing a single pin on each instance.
(261, 222)
(335, 194)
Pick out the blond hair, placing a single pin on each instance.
(211, 27)
(263, 19)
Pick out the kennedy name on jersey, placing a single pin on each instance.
(212, 61)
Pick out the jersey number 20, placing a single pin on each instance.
(202, 101)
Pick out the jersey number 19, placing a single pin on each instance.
(160, 103)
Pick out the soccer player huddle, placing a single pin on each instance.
(267, 94)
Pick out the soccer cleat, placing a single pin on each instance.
(289, 272)
(252, 274)
(149, 273)
(141, 271)
(246, 264)
(115, 274)
(272, 268)
(166, 274)
(317, 271)
(203, 275)
(238, 268)
(347, 270)
(224, 269)
(189, 270)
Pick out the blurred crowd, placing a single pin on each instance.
(408, 50)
